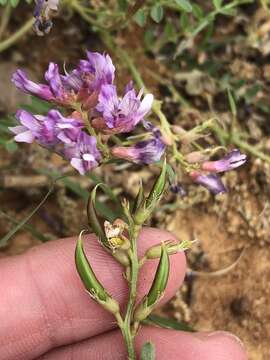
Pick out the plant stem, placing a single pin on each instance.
(17, 35)
(5, 19)
(134, 270)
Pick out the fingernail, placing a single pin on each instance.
(207, 335)
(226, 334)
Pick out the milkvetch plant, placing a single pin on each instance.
(89, 125)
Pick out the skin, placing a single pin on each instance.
(46, 314)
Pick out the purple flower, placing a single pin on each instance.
(21, 81)
(231, 161)
(178, 189)
(84, 155)
(48, 130)
(211, 181)
(42, 13)
(143, 152)
(97, 70)
(81, 84)
(122, 115)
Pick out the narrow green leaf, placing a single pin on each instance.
(148, 351)
(93, 219)
(232, 102)
(197, 11)
(184, 21)
(4, 240)
(217, 3)
(157, 13)
(184, 5)
(40, 236)
(167, 323)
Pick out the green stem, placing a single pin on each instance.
(17, 35)
(134, 270)
(236, 140)
(81, 11)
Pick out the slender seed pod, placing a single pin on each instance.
(93, 219)
(158, 287)
(172, 248)
(90, 281)
(161, 278)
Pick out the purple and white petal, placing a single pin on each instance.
(211, 181)
(19, 78)
(53, 77)
(231, 161)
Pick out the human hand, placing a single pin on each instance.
(46, 314)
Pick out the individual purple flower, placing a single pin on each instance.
(178, 189)
(48, 131)
(210, 181)
(84, 155)
(19, 78)
(143, 152)
(97, 70)
(231, 161)
(121, 115)
(42, 13)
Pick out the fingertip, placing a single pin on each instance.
(225, 343)
(172, 344)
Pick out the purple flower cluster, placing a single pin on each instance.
(87, 89)
(82, 84)
(212, 181)
(62, 135)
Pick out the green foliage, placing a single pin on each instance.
(157, 13)
(167, 323)
(184, 5)
(140, 17)
(13, 3)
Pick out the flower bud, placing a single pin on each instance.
(172, 247)
(90, 281)
(147, 207)
(139, 199)
(157, 289)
